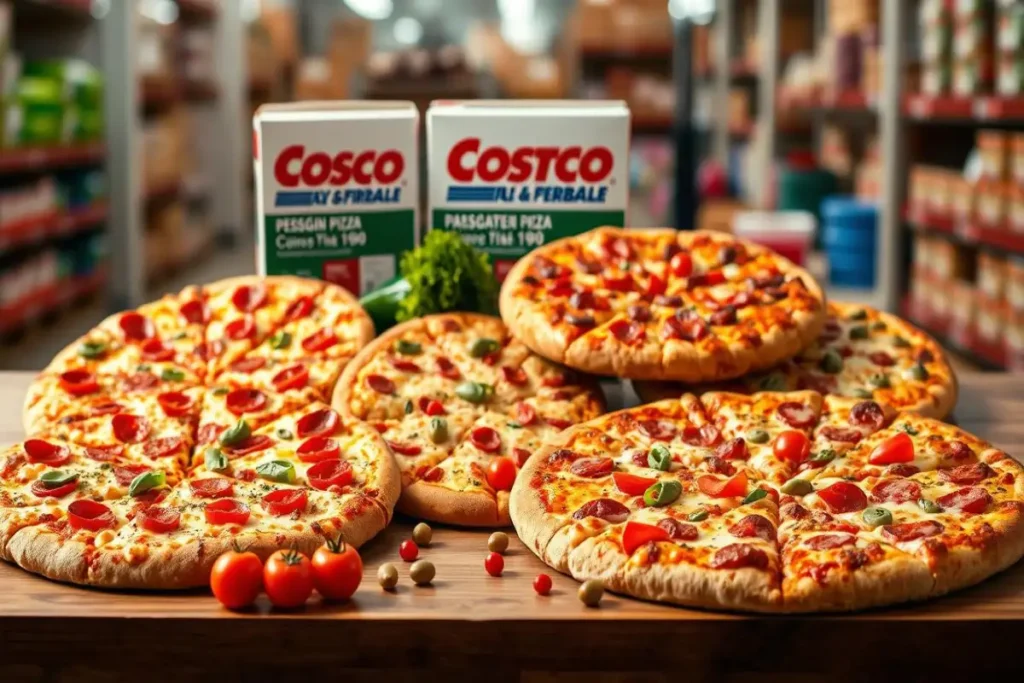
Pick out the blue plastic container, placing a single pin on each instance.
(849, 235)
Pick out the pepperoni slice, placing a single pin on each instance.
(299, 308)
(130, 428)
(322, 422)
(967, 474)
(724, 316)
(213, 487)
(240, 328)
(79, 382)
(160, 520)
(829, 541)
(163, 447)
(175, 403)
(433, 475)
(195, 312)
(627, 332)
(317, 449)
(640, 314)
(882, 359)
(603, 508)
(157, 351)
(520, 455)
(136, 326)
(709, 434)
(592, 468)
(619, 247)
(126, 473)
(514, 376)
(691, 328)
(733, 449)
(832, 331)
(618, 283)
(679, 531)
(843, 496)
(46, 453)
(431, 407)
(403, 448)
(525, 414)
(256, 442)
(555, 381)
(956, 450)
(839, 434)
(868, 414)
(447, 368)
(294, 377)
(249, 298)
(739, 556)
(902, 469)
(208, 433)
(896, 491)
(404, 365)
(753, 526)
(241, 401)
(719, 466)
(248, 365)
(321, 340)
(974, 499)
(282, 502)
(106, 408)
(329, 473)
(486, 439)
(140, 381)
(40, 490)
(911, 531)
(104, 453)
(797, 414)
(209, 350)
(658, 429)
(380, 384)
(90, 515)
(227, 511)
(558, 423)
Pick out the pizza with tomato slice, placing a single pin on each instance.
(462, 405)
(771, 502)
(661, 304)
(169, 433)
(861, 353)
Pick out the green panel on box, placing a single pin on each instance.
(511, 234)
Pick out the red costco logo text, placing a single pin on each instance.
(293, 167)
(468, 162)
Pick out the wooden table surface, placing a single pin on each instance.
(467, 619)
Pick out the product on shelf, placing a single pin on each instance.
(512, 176)
(1010, 46)
(163, 146)
(973, 47)
(994, 152)
(1015, 208)
(337, 190)
(1015, 283)
(991, 204)
(849, 233)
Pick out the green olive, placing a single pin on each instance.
(876, 516)
(387, 576)
(859, 332)
(919, 372)
(422, 533)
(498, 542)
(862, 393)
(408, 348)
(474, 392)
(859, 314)
(172, 375)
(438, 429)
(772, 382)
(483, 347)
(659, 458)
(220, 391)
(698, 515)
(422, 572)
(900, 343)
(824, 455)
(831, 362)
(929, 506)
(754, 496)
(797, 487)
(881, 381)
(284, 434)
(235, 434)
(281, 340)
(662, 493)
(591, 592)
(758, 436)
(92, 349)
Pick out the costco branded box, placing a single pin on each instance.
(510, 176)
(337, 190)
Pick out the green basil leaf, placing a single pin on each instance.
(929, 506)
(754, 496)
(235, 434)
(409, 407)
(220, 391)
(408, 348)
(281, 340)
(147, 481)
(92, 349)
(483, 347)
(54, 479)
(215, 460)
(172, 375)
(281, 471)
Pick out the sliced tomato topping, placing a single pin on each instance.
(632, 484)
(175, 403)
(655, 286)
(621, 283)
(163, 447)
(403, 448)
(792, 446)
(130, 428)
(974, 499)
(249, 298)
(486, 439)
(733, 449)
(46, 453)
(732, 487)
(318, 448)
(380, 384)
(322, 422)
(136, 326)
(39, 489)
(126, 473)
(282, 502)
(431, 406)
(241, 401)
(160, 520)
(897, 448)
(636, 534)
(514, 376)
(592, 468)
(240, 328)
(294, 377)
(681, 264)
(227, 511)
(433, 475)
(212, 487)
(157, 350)
(90, 515)
(558, 423)
(299, 308)
(321, 340)
(404, 365)
(555, 381)
(248, 365)
(195, 312)
(843, 496)
(521, 455)
(256, 442)
(328, 473)
(525, 414)
(79, 382)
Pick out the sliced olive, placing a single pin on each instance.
(281, 471)
(474, 392)
(172, 375)
(662, 493)
(754, 496)
(387, 576)
(880, 381)
(281, 340)
(824, 455)
(900, 343)
(859, 332)
(220, 391)
(919, 372)
(409, 408)
(591, 592)
(408, 348)
(831, 362)
(876, 516)
(235, 434)
(772, 382)
(54, 479)
(498, 542)
(215, 460)
(859, 314)
(422, 533)
(284, 434)
(483, 347)
(147, 481)
(659, 458)
(92, 349)
(438, 429)
(698, 515)
(758, 436)
(797, 487)
(931, 507)
(422, 572)
(862, 393)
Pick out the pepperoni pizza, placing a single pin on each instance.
(462, 406)
(169, 433)
(661, 304)
(772, 502)
(860, 353)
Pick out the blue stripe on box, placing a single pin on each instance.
(293, 199)
(457, 193)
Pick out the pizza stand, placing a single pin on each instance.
(469, 620)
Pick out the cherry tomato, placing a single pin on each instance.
(792, 446)
(494, 563)
(288, 578)
(897, 448)
(337, 570)
(632, 484)
(501, 474)
(408, 551)
(542, 584)
(237, 578)
(681, 264)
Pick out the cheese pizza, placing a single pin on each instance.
(661, 304)
(171, 433)
(462, 405)
(860, 353)
(772, 502)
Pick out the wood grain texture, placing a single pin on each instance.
(468, 619)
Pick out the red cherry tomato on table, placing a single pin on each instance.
(337, 570)
(792, 446)
(542, 584)
(501, 474)
(288, 578)
(236, 578)
(494, 563)
(897, 448)
(408, 551)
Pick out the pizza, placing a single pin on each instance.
(462, 405)
(771, 502)
(173, 432)
(861, 353)
(661, 304)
